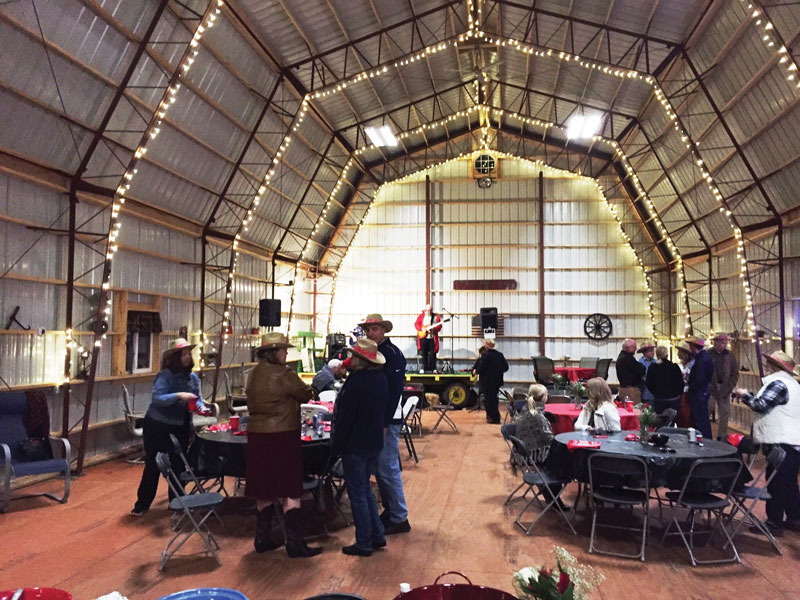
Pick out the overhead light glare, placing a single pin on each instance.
(381, 136)
(583, 126)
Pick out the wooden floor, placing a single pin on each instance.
(91, 546)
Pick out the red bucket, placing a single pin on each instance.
(455, 591)
(37, 593)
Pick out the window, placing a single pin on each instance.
(138, 353)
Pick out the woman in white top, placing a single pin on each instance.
(600, 412)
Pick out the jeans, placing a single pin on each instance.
(699, 403)
(390, 482)
(784, 489)
(156, 439)
(357, 470)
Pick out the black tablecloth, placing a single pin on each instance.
(666, 469)
(225, 453)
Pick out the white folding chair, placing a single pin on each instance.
(135, 423)
(327, 396)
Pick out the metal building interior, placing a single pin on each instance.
(183, 159)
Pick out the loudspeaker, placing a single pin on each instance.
(269, 312)
(489, 318)
(335, 342)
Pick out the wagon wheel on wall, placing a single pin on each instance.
(597, 326)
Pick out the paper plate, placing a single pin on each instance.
(206, 594)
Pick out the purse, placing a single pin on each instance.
(34, 449)
(324, 500)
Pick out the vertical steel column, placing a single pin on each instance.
(65, 391)
(710, 294)
(540, 222)
(781, 290)
(427, 239)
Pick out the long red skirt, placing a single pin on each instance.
(684, 417)
(274, 465)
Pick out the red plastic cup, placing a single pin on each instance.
(629, 405)
(699, 438)
(192, 404)
(234, 422)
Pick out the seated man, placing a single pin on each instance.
(327, 376)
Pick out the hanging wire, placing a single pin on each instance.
(36, 241)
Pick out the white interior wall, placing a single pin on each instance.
(492, 234)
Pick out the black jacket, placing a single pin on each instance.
(630, 372)
(359, 415)
(395, 371)
(491, 367)
(664, 380)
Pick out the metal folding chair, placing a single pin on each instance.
(695, 497)
(537, 477)
(213, 481)
(666, 418)
(196, 508)
(619, 480)
(408, 410)
(745, 500)
(135, 423)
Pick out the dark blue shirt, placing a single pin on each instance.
(359, 415)
(701, 373)
(395, 371)
(165, 405)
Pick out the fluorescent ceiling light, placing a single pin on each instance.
(580, 126)
(381, 136)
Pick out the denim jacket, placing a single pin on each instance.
(165, 405)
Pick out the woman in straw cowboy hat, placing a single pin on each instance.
(176, 393)
(274, 449)
(777, 405)
(358, 438)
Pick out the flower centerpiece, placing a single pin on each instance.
(568, 581)
(647, 419)
(578, 391)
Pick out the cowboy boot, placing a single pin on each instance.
(295, 536)
(264, 540)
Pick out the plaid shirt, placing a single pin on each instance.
(775, 394)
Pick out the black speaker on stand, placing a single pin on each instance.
(335, 342)
(269, 312)
(489, 319)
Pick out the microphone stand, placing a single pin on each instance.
(452, 348)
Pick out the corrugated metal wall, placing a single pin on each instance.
(480, 234)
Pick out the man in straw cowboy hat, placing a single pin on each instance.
(358, 438)
(777, 405)
(176, 393)
(726, 374)
(390, 481)
(274, 449)
(491, 366)
(647, 350)
(700, 385)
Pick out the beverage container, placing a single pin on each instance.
(405, 588)
(315, 421)
(304, 429)
(235, 423)
(692, 435)
(192, 404)
(320, 428)
(628, 404)
(699, 437)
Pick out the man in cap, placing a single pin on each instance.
(630, 373)
(726, 374)
(491, 366)
(428, 325)
(327, 376)
(777, 405)
(390, 482)
(699, 385)
(647, 350)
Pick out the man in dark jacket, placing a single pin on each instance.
(390, 482)
(665, 382)
(699, 385)
(630, 373)
(491, 367)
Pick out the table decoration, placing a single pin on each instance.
(570, 580)
(647, 418)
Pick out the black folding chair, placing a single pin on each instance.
(201, 480)
(698, 494)
(745, 500)
(408, 412)
(537, 477)
(544, 370)
(666, 418)
(601, 370)
(196, 508)
(619, 480)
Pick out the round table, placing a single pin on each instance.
(666, 469)
(233, 449)
(575, 373)
(566, 414)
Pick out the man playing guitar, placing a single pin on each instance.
(428, 325)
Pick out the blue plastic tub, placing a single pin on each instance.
(206, 594)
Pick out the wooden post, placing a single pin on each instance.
(542, 349)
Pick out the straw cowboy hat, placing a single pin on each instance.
(721, 335)
(696, 341)
(177, 345)
(274, 340)
(368, 349)
(646, 346)
(376, 319)
(684, 347)
(782, 361)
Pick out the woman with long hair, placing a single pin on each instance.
(176, 390)
(358, 438)
(274, 448)
(533, 428)
(600, 412)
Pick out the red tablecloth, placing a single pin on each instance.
(567, 413)
(575, 373)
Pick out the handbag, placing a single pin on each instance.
(324, 500)
(34, 449)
